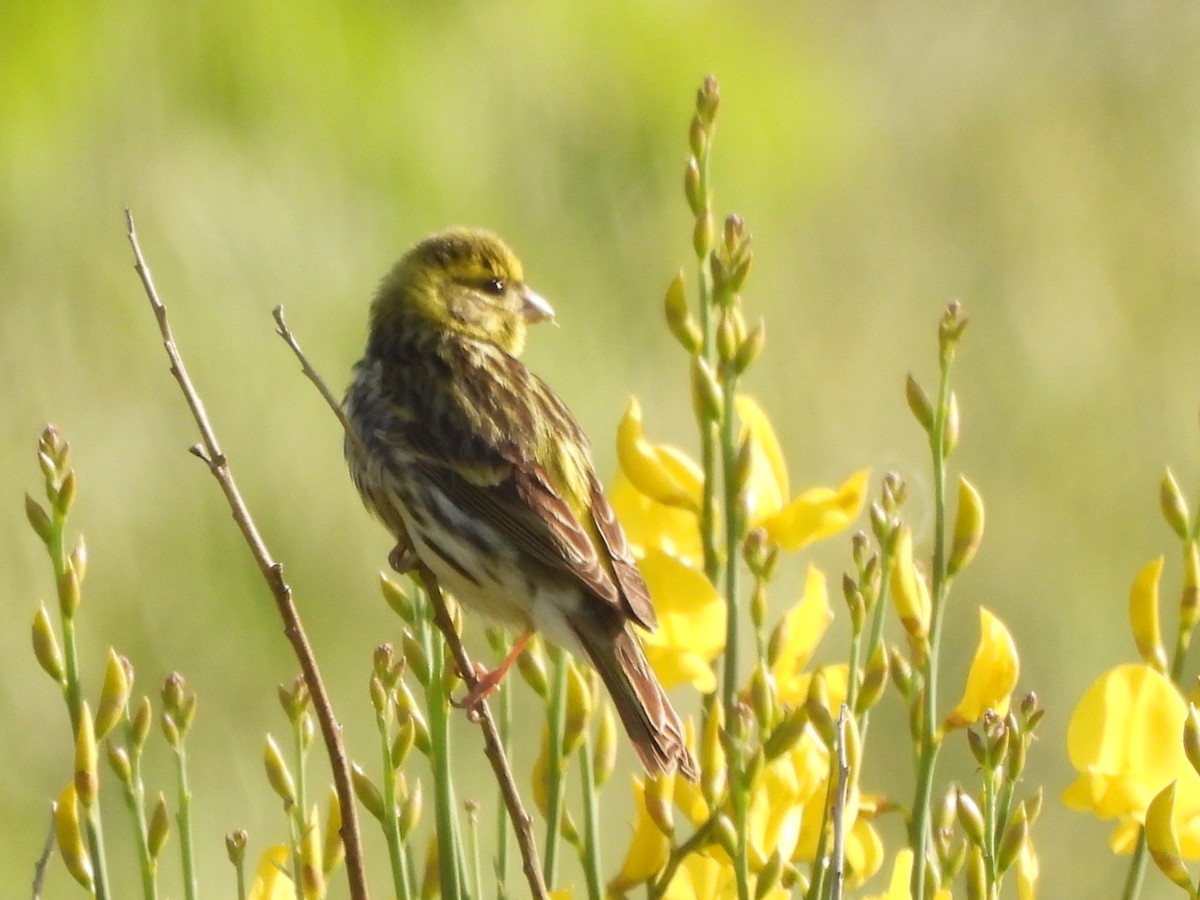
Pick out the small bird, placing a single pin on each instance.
(478, 467)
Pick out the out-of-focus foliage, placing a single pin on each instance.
(1039, 162)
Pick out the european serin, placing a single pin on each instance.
(477, 464)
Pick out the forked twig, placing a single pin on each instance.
(493, 747)
(272, 571)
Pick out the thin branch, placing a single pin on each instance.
(39, 868)
(493, 746)
(272, 571)
(839, 808)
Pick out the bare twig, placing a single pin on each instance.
(272, 571)
(839, 808)
(39, 868)
(493, 746)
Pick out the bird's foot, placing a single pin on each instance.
(403, 559)
(486, 681)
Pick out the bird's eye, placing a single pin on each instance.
(494, 286)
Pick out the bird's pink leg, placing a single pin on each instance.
(487, 682)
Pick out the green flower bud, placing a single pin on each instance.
(817, 704)
(976, 874)
(679, 318)
(396, 599)
(312, 877)
(950, 426)
(787, 733)
(415, 658)
(139, 725)
(45, 646)
(278, 774)
(762, 696)
(531, 663)
(118, 680)
(87, 779)
(579, 711)
(39, 520)
(918, 403)
(159, 828)
(77, 561)
(66, 494)
(692, 187)
(366, 792)
(68, 593)
(235, 846)
(950, 331)
(726, 340)
(970, 818)
(750, 347)
(855, 603)
(118, 761)
(725, 835)
(708, 98)
(379, 697)
(658, 803)
(606, 746)
(1013, 840)
(874, 681)
(410, 811)
(1189, 604)
(1191, 737)
(712, 763)
(1174, 507)
(402, 743)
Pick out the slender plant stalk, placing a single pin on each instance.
(1137, 869)
(445, 808)
(183, 818)
(591, 820)
(391, 823)
(930, 743)
(135, 801)
(210, 452)
(501, 819)
(556, 765)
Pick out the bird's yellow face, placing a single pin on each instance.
(464, 281)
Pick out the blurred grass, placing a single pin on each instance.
(1042, 163)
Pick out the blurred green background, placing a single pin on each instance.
(1040, 162)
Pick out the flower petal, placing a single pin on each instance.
(665, 477)
(993, 674)
(817, 513)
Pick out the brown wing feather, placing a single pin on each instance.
(635, 596)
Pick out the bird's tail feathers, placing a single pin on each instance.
(653, 725)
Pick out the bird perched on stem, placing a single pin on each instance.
(474, 461)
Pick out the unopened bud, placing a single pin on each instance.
(1174, 507)
(366, 792)
(918, 403)
(278, 774)
(968, 528)
(706, 392)
(950, 427)
(606, 746)
(87, 779)
(159, 828)
(114, 694)
(235, 846)
(708, 98)
(39, 520)
(45, 646)
(692, 187)
(750, 347)
(679, 318)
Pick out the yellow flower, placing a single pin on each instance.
(1143, 615)
(1126, 741)
(658, 490)
(702, 876)
(649, 848)
(898, 887)
(909, 591)
(803, 627)
(993, 674)
(271, 881)
(691, 622)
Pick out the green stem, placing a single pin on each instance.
(450, 872)
(700, 837)
(135, 800)
(183, 819)
(1137, 869)
(930, 740)
(591, 821)
(991, 823)
(391, 822)
(876, 635)
(555, 766)
(733, 537)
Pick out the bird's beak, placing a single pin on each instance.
(535, 308)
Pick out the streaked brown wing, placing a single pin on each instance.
(522, 505)
(634, 593)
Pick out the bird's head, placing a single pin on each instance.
(462, 281)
